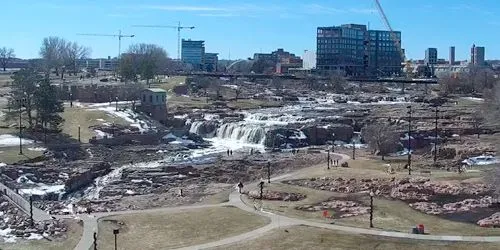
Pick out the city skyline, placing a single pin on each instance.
(242, 29)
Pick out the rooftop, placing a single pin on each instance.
(157, 90)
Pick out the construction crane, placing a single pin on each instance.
(178, 27)
(397, 42)
(119, 35)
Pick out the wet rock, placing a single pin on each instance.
(277, 196)
(491, 221)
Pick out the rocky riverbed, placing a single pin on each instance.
(16, 225)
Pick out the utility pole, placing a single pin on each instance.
(79, 139)
(178, 28)
(436, 134)
(371, 208)
(268, 172)
(20, 129)
(353, 150)
(120, 36)
(409, 140)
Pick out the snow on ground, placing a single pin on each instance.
(35, 236)
(42, 189)
(7, 237)
(2, 164)
(11, 140)
(481, 160)
(129, 116)
(101, 134)
(475, 99)
(37, 149)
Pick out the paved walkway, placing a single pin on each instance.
(23, 204)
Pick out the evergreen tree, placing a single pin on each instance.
(48, 105)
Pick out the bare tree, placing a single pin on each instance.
(52, 52)
(382, 138)
(72, 53)
(6, 55)
(150, 59)
(477, 121)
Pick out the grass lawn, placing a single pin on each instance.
(188, 102)
(252, 104)
(5, 79)
(304, 237)
(73, 237)
(85, 118)
(11, 155)
(389, 214)
(170, 83)
(161, 230)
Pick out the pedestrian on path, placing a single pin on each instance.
(228, 152)
(240, 187)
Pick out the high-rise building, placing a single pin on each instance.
(211, 61)
(477, 55)
(193, 52)
(353, 49)
(431, 56)
(452, 55)
(309, 59)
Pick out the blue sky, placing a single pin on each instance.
(245, 27)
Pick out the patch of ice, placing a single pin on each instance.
(7, 140)
(42, 189)
(37, 149)
(474, 99)
(101, 134)
(481, 160)
(35, 236)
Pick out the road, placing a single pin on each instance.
(277, 221)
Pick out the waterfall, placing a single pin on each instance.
(242, 132)
(195, 126)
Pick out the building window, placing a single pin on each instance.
(143, 98)
(157, 98)
(151, 98)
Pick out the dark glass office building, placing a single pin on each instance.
(357, 51)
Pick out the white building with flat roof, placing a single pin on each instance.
(309, 59)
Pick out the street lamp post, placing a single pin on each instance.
(79, 139)
(261, 185)
(116, 232)
(70, 99)
(116, 102)
(409, 140)
(371, 208)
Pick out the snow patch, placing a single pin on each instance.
(481, 160)
(37, 149)
(11, 140)
(42, 189)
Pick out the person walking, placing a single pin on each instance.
(240, 187)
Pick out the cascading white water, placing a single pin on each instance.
(195, 126)
(247, 133)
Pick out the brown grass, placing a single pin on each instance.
(162, 230)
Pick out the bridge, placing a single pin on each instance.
(295, 77)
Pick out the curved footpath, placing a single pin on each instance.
(277, 221)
